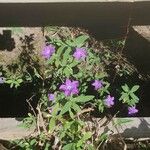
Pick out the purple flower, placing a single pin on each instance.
(109, 101)
(51, 97)
(48, 51)
(97, 84)
(80, 53)
(2, 80)
(132, 110)
(70, 87)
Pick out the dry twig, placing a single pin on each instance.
(41, 119)
(28, 101)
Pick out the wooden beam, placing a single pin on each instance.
(135, 128)
(10, 130)
(60, 1)
(74, 13)
(65, 1)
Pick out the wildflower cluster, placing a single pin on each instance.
(75, 83)
(70, 87)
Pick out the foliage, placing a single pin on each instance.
(128, 95)
(14, 81)
(76, 78)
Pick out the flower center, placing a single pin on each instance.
(69, 87)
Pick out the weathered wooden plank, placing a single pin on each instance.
(137, 50)
(60, 1)
(12, 41)
(144, 31)
(73, 13)
(136, 128)
(10, 130)
(64, 1)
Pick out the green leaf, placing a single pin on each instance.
(70, 146)
(59, 71)
(55, 109)
(52, 125)
(66, 56)
(100, 106)
(11, 85)
(51, 60)
(73, 64)
(59, 42)
(8, 81)
(125, 88)
(68, 71)
(33, 142)
(83, 99)
(19, 80)
(134, 96)
(90, 147)
(60, 51)
(71, 114)
(66, 107)
(124, 96)
(76, 107)
(36, 73)
(135, 88)
(47, 147)
(57, 63)
(80, 143)
(80, 40)
(16, 84)
(103, 137)
(132, 102)
(69, 43)
(87, 135)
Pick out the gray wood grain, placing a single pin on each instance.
(10, 130)
(136, 128)
(95, 13)
(63, 1)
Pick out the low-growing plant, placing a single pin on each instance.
(128, 97)
(14, 81)
(74, 84)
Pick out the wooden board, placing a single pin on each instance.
(64, 1)
(144, 31)
(135, 128)
(74, 13)
(10, 130)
